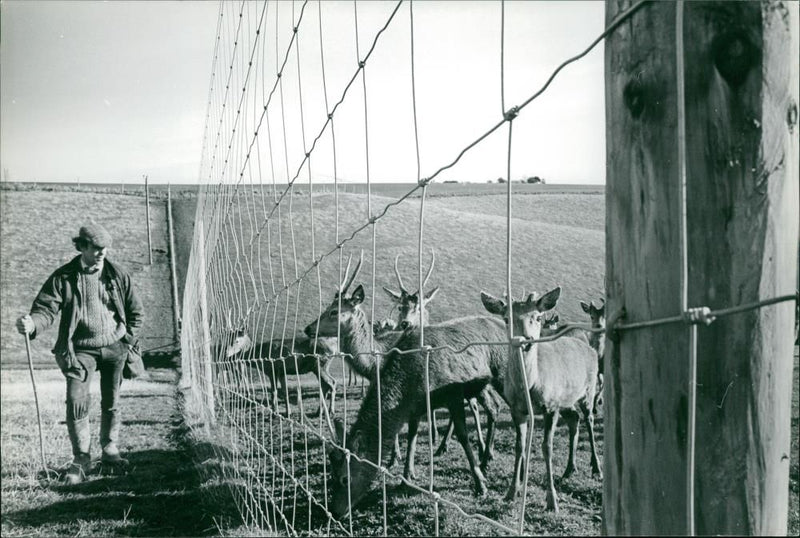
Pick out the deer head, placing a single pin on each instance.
(408, 304)
(342, 309)
(357, 475)
(527, 314)
(596, 312)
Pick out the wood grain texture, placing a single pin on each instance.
(742, 207)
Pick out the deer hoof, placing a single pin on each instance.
(511, 495)
(568, 472)
(441, 451)
(552, 502)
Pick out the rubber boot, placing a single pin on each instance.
(80, 437)
(109, 433)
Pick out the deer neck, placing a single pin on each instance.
(392, 418)
(520, 378)
(355, 343)
(598, 343)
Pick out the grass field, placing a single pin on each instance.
(163, 494)
(557, 239)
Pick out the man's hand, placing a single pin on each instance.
(25, 325)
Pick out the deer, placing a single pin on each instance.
(558, 376)
(411, 312)
(457, 371)
(276, 359)
(597, 341)
(344, 318)
(354, 340)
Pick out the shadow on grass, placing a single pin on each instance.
(159, 493)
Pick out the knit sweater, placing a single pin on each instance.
(98, 324)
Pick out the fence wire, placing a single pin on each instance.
(263, 267)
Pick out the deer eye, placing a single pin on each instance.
(343, 480)
(334, 312)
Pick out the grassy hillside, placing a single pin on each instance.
(467, 233)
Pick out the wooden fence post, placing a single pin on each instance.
(742, 232)
(147, 215)
(176, 317)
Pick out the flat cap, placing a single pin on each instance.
(95, 234)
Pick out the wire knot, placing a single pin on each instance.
(518, 341)
(698, 315)
(512, 113)
(361, 64)
(424, 182)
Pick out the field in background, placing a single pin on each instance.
(467, 233)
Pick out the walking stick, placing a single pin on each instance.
(36, 401)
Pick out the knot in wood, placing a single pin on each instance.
(791, 117)
(633, 95)
(734, 55)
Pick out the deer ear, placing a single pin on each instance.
(493, 304)
(358, 295)
(601, 306)
(355, 441)
(393, 294)
(548, 300)
(431, 294)
(585, 306)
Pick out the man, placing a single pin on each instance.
(100, 315)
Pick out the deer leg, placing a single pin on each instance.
(571, 417)
(273, 391)
(588, 417)
(395, 456)
(460, 428)
(490, 407)
(327, 384)
(521, 427)
(550, 421)
(413, 425)
(445, 438)
(598, 396)
(284, 389)
(476, 415)
(434, 430)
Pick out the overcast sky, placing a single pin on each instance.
(109, 91)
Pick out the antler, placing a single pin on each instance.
(397, 274)
(343, 289)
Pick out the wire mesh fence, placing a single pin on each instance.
(283, 301)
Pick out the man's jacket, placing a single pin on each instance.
(62, 293)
